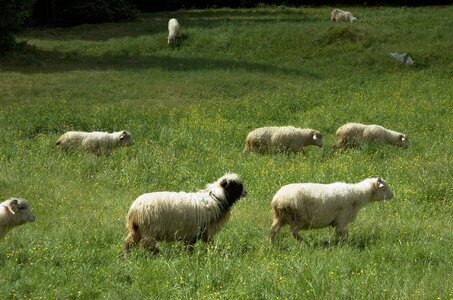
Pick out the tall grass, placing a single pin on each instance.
(189, 109)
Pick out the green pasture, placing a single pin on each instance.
(189, 109)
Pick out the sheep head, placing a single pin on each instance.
(381, 190)
(317, 138)
(19, 211)
(126, 138)
(403, 141)
(233, 187)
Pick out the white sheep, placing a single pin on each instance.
(313, 205)
(181, 216)
(173, 31)
(14, 212)
(352, 134)
(341, 15)
(98, 142)
(286, 138)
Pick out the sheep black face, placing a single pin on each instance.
(233, 188)
(126, 138)
(317, 138)
(404, 142)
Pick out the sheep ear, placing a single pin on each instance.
(402, 138)
(315, 137)
(224, 183)
(11, 205)
(123, 135)
(379, 183)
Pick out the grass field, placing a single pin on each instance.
(189, 109)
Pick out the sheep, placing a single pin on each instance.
(352, 134)
(313, 205)
(97, 142)
(181, 216)
(286, 138)
(341, 15)
(173, 31)
(14, 212)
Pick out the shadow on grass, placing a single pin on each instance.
(359, 242)
(149, 24)
(29, 59)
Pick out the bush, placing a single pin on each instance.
(13, 15)
(344, 33)
(75, 12)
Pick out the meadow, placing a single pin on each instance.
(189, 109)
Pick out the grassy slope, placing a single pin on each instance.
(189, 110)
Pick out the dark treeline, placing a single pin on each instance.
(162, 5)
(72, 12)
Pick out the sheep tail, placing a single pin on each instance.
(134, 231)
(248, 146)
(133, 237)
(277, 212)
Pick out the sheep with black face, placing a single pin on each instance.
(182, 216)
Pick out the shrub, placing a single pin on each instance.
(75, 12)
(339, 35)
(13, 15)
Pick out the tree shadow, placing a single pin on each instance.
(149, 24)
(30, 59)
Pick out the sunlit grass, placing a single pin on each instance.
(189, 110)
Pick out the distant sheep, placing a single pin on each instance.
(352, 134)
(181, 216)
(14, 212)
(173, 31)
(312, 205)
(341, 15)
(98, 142)
(286, 138)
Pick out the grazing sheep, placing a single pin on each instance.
(341, 15)
(286, 138)
(14, 212)
(173, 31)
(312, 205)
(98, 142)
(352, 134)
(187, 217)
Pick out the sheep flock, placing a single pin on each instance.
(188, 217)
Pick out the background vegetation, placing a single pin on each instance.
(13, 14)
(189, 109)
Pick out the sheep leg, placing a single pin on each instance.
(342, 232)
(150, 245)
(276, 225)
(129, 241)
(189, 245)
(295, 232)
